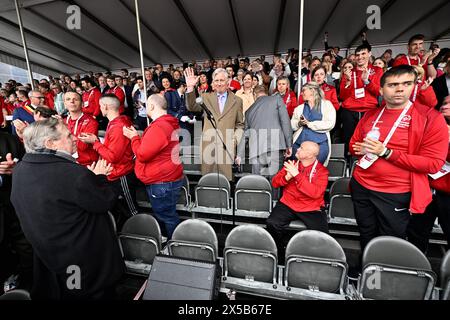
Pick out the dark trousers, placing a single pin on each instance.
(379, 213)
(350, 120)
(421, 225)
(16, 253)
(126, 205)
(282, 216)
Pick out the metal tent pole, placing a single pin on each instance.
(24, 43)
(141, 51)
(300, 49)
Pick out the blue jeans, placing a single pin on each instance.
(164, 197)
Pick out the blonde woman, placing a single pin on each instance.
(313, 121)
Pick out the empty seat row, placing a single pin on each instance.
(392, 268)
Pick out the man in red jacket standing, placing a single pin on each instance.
(78, 123)
(390, 181)
(420, 227)
(304, 183)
(158, 164)
(91, 97)
(116, 150)
(117, 91)
(359, 93)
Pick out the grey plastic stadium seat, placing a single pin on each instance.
(185, 198)
(213, 191)
(337, 168)
(394, 269)
(315, 261)
(253, 193)
(140, 240)
(445, 276)
(337, 151)
(194, 239)
(341, 204)
(250, 253)
(17, 294)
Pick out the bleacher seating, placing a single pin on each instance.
(394, 269)
(212, 195)
(341, 205)
(445, 276)
(194, 239)
(140, 241)
(253, 197)
(250, 253)
(315, 261)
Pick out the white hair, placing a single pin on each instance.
(220, 70)
(37, 133)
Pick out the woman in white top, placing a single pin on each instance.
(313, 121)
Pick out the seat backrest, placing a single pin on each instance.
(315, 260)
(17, 294)
(213, 190)
(341, 206)
(140, 238)
(194, 239)
(336, 167)
(395, 269)
(185, 191)
(340, 186)
(338, 150)
(250, 253)
(253, 193)
(445, 276)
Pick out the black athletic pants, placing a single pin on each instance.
(379, 213)
(350, 120)
(421, 225)
(282, 215)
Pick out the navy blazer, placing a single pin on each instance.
(175, 105)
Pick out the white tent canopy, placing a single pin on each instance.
(175, 31)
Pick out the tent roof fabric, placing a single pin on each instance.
(175, 31)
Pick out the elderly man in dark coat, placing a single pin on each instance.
(62, 207)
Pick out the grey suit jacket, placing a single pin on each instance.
(267, 127)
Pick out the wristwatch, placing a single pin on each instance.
(386, 153)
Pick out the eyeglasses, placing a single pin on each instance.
(41, 97)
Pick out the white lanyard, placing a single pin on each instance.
(415, 93)
(409, 60)
(76, 123)
(396, 124)
(312, 170)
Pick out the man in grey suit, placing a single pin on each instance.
(268, 130)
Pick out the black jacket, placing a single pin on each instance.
(440, 89)
(62, 207)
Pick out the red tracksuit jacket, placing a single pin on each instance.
(116, 148)
(306, 191)
(118, 92)
(443, 183)
(87, 124)
(91, 102)
(157, 152)
(427, 150)
(372, 91)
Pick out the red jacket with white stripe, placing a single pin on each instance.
(306, 191)
(157, 152)
(84, 124)
(116, 148)
(443, 183)
(372, 90)
(91, 102)
(427, 149)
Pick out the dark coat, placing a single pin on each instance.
(62, 207)
(440, 89)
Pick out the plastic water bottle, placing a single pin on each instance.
(373, 134)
